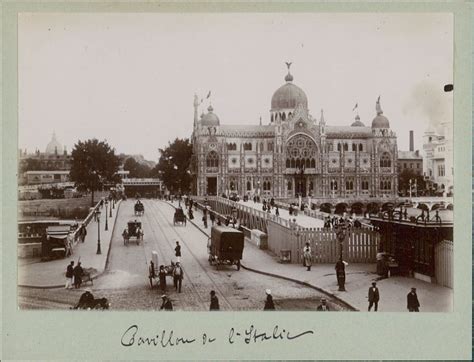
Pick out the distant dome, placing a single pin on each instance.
(54, 146)
(210, 119)
(357, 122)
(289, 95)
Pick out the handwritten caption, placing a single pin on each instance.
(169, 338)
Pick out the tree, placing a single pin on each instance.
(93, 164)
(173, 165)
(136, 169)
(404, 181)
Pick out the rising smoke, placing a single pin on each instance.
(429, 101)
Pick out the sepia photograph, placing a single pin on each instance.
(194, 162)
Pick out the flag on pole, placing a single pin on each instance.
(208, 95)
(357, 105)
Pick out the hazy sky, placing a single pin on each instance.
(131, 78)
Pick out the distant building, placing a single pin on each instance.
(295, 154)
(438, 163)
(46, 177)
(410, 160)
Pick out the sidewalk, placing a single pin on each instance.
(393, 291)
(51, 274)
(302, 219)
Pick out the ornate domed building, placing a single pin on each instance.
(295, 154)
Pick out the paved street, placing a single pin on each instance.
(126, 283)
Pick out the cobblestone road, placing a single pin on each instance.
(126, 285)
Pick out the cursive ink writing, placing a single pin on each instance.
(165, 339)
(252, 335)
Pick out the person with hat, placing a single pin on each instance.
(166, 305)
(269, 305)
(374, 296)
(86, 300)
(323, 306)
(69, 275)
(413, 304)
(214, 301)
(307, 256)
(177, 252)
(162, 277)
(178, 277)
(78, 272)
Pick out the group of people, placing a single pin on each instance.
(74, 275)
(334, 222)
(413, 304)
(269, 205)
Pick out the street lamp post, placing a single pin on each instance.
(110, 208)
(106, 223)
(97, 214)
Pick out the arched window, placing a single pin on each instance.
(308, 163)
(346, 147)
(271, 118)
(354, 147)
(298, 163)
(247, 146)
(249, 186)
(288, 164)
(385, 160)
(338, 146)
(293, 164)
(333, 185)
(232, 185)
(212, 159)
(270, 146)
(313, 163)
(361, 148)
(289, 114)
(261, 146)
(283, 117)
(290, 185)
(330, 147)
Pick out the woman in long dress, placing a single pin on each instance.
(307, 256)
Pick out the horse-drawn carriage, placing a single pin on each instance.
(225, 246)
(154, 269)
(179, 217)
(133, 230)
(139, 208)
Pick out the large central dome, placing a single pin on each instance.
(288, 96)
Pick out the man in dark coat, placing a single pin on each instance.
(78, 272)
(374, 296)
(212, 217)
(166, 305)
(69, 275)
(86, 300)
(214, 301)
(413, 304)
(151, 272)
(269, 305)
(177, 252)
(162, 276)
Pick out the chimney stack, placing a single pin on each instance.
(412, 148)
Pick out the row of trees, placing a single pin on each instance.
(95, 164)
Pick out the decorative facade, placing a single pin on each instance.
(295, 154)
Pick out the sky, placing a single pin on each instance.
(130, 79)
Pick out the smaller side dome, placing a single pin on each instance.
(210, 119)
(357, 122)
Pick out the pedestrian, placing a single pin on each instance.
(69, 275)
(212, 217)
(162, 276)
(151, 272)
(323, 307)
(214, 301)
(341, 273)
(374, 296)
(78, 272)
(413, 304)
(290, 210)
(204, 220)
(86, 300)
(166, 305)
(190, 213)
(307, 257)
(83, 232)
(269, 305)
(277, 212)
(219, 223)
(178, 277)
(177, 252)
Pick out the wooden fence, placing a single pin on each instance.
(360, 245)
(444, 263)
